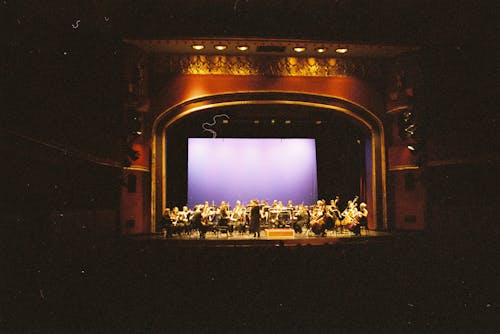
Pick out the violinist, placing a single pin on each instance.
(301, 218)
(207, 214)
(264, 212)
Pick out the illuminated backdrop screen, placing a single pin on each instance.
(233, 169)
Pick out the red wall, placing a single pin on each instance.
(408, 204)
(135, 205)
(181, 88)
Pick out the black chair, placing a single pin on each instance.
(223, 227)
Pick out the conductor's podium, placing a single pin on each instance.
(280, 233)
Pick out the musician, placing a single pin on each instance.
(362, 217)
(184, 218)
(301, 218)
(318, 217)
(334, 213)
(287, 213)
(264, 212)
(177, 225)
(223, 212)
(166, 223)
(255, 218)
(350, 211)
(351, 214)
(334, 203)
(275, 212)
(196, 221)
(238, 217)
(207, 213)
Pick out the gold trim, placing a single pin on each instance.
(487, 159)
(311, 94)
(403, 167)
(153, 185)
(396, 109)
(348, 112)
(140, 169)
(291, 65)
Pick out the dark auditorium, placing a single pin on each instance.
(241, 166)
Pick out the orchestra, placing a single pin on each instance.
(317, 219)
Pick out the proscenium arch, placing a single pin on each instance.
(375, 170)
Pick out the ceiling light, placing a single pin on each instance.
(198, 46)
(220, 47)
(321, 50)
(225, 121)
(273, 121)
(318, 122)
(299, 49)
(341, 50)
(411, 148)
(256, 121)
(242, 47)
(288, 121)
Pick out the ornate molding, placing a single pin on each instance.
(268, 66)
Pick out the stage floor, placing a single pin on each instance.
(266, 239)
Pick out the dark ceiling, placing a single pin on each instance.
(388, 21)
(62, 61)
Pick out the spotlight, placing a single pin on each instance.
(412, 148)
(273, 121)
(299, 49)
(318, 122)
(407, 125)
(321, 50)
(133, 123)
(198, 46)
(242, 47)
(225, 121)
(288, 121)
(341, 50)
(220, 47)
(256, 121)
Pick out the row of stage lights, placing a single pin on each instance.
(298, 49)
(273, 121)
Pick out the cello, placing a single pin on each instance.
(318, 217)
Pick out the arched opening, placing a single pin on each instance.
(255, 109)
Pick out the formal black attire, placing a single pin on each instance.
(255, 220)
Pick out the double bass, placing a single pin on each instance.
(350, 214)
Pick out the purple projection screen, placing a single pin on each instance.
(230, 169)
